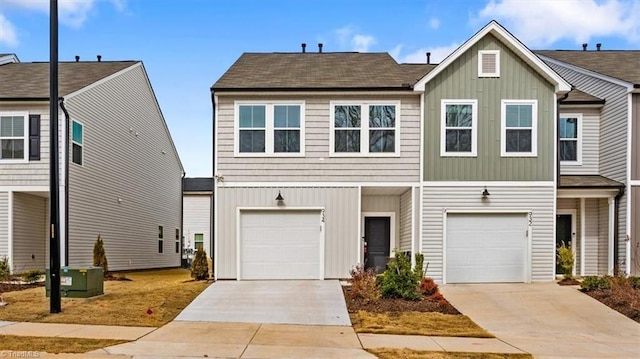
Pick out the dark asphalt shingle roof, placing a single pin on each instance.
(331, 70)
(197, 184)
(588, 181)
(27, 80)
(620, 64)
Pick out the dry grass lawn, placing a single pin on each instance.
(417, 323)
(386, 353)
(164, 292)
(52, 345)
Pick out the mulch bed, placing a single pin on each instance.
(568, 281)
(11, 287)
(383, 305)
(626, 303)
(117, 278)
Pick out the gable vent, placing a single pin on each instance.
(489, 63)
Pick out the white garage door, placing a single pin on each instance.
(280, 245)
(486, 248)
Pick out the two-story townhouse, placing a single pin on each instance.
(316, 163)
(599, 154)
(124, 174)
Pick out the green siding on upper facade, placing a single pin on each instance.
(517, 81)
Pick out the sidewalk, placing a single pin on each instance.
(243, 340)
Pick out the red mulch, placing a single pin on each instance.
(383, 305)
(117, 278)
(626, 302)
(8, 287)
(568, 281)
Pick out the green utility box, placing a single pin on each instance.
(78, 282)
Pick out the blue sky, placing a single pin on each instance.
(186, 45)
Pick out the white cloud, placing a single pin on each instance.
(7, 32)
(349, 39)
(438, 54)
(72, 13)
(434, 23)
(542, 23)
(395, 52)
(361, 43)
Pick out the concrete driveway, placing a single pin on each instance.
(547, 320)
(306, 302)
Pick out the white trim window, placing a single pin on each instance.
(489, 63)
(570, 132)
(269, 129)
(519, 132)
(13, 137)
(77, 142)
(459, 128)
(365, 129)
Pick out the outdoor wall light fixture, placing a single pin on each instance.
(485, 193)
(280, 199)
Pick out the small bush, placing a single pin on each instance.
(363, 284)
(635, 282)
(200, 267)
(5, 271)
(100, 256)
(32, 276)
(399, 280)
(591, 283)
(565, 256)
(428, 287)
(419, 268)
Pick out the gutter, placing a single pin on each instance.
(66, 181)
(558, 101)
(318, 89)
(180, 248)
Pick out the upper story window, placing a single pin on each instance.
(459, 128)
(368, 129)
(77, 142)
(570, 138)
(519, 128)
(13, 136)
(489, 63)
(274, 129)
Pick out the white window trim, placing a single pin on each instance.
(481, 54)
(269, 129)
(534, 128)
(443, 128)
(364, 129)
(578, 161)
(25, 136)
(79, 144)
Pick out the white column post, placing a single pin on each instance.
(582, 235)
(10, 230)
(610, 258)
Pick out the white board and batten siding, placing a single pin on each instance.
(439, 201)
(317, 165)
(130, 181)
(406, 230)
(197, 219)
(341, 219)
(4, 225)
(589, 145)
(30, 234)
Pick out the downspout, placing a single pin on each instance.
(558, 137)
(213, 172)
(66, 181)
(616, 235)
(181, 238)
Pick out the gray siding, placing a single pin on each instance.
(29, 232)
(128, 155)
(539, 200)
(517, 81)
(635, 138)
(590, 144)
(591, 249)
(603, 236)
(342, 219)
(33, 173)
(385, 204)
(4, 224)
(317, 166)
(406, 204)
(197, 219)
(635, 230)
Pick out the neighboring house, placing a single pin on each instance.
(197, 207)
(326, 160)
(124, 174)
(600, 162)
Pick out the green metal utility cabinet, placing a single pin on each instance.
(79, 282)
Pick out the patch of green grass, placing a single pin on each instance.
(52, 344)
(388, 353)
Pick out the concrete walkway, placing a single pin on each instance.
(74, 331)
(547, 320)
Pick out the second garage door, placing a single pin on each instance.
(280, 245)
(486, 248)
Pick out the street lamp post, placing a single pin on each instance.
(54, 201)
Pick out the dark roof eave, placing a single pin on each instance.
(21, 99)
(312, 89)
(599, 102)
(592, 187)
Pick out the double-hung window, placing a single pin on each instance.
(519, 128)
(459, 128)
(369, 129)
(13, 136)
(269, 129)
(77, 142)
(570, 138)
(198, 241)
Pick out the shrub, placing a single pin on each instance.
(32, 276)
(428, 287)
(635, 282)
(591, 283)
(363, 284)
(5, 271)
(399, 280)
(99, 255)
(419, 265)
(565, 256)
(200, 267)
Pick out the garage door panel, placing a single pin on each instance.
(486, 248)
